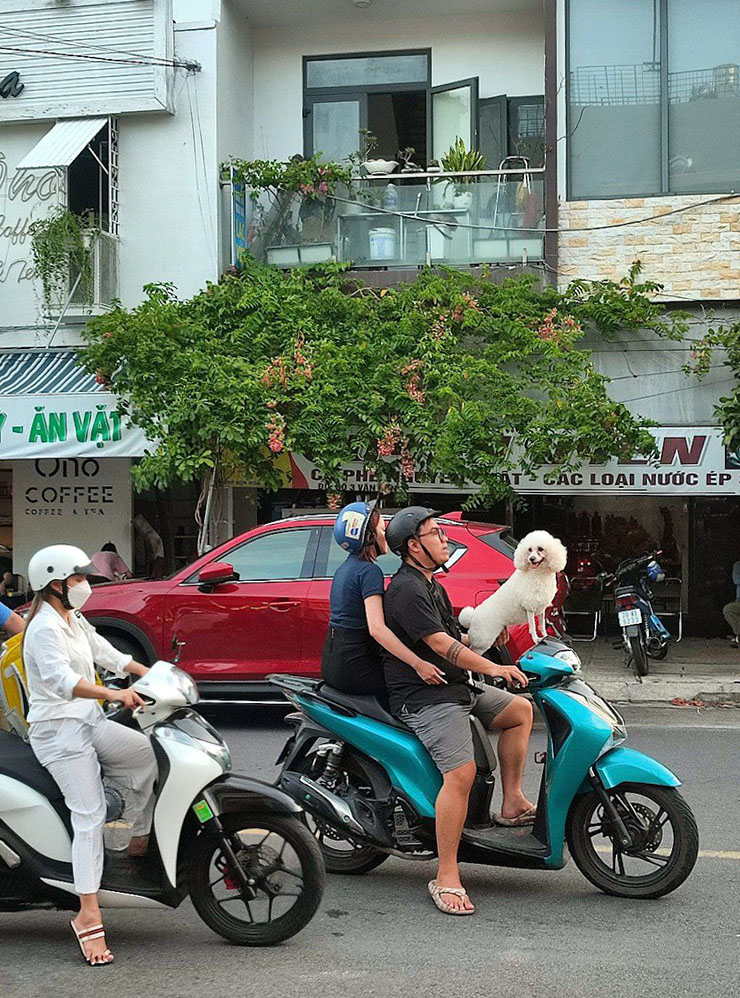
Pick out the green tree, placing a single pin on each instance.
(449, 375)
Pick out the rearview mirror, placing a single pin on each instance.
(217, 572)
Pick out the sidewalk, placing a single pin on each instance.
(694, 669)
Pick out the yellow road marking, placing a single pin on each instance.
(703, 853)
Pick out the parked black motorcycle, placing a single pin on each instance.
(643, 632)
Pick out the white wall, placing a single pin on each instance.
(24, 198)
(505, 50)
(86, 502)
(234, 104)
(168, 181)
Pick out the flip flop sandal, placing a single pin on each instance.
(459, 892)
(87, 935)
(525, 818)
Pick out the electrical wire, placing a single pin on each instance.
(174, 63)
(674, 391)
(539, 229)
(75, 42)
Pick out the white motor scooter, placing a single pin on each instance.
(236, 845)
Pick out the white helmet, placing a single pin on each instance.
(58, 561)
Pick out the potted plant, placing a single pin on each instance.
(406, 157)
(61, 245)
(367, 162)
(458, 159)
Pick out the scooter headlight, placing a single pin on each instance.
(184, 684)
(570, 658)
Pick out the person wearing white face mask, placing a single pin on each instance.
(69, 732)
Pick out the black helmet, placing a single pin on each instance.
(405, 524)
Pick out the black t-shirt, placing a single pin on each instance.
(414, 608)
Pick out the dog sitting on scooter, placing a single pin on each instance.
(525, 595)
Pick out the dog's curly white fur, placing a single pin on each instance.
(525, 595)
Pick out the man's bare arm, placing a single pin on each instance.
(457, 654)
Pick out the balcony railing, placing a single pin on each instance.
(411, 220)
(102, 287)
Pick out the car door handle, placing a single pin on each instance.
(283, 607)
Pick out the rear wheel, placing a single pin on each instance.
(637, 653)
(282, 859)
(664, 833)
(341, 855)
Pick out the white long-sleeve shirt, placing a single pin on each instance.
(57, 654)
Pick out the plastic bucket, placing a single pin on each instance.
(382, 244)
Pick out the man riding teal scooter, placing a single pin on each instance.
(373, 785)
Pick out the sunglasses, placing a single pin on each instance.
(435, 530)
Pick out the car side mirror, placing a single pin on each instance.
(214, 574)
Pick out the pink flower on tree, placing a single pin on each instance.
(389, 441)
(276, 433)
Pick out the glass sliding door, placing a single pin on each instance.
(493, 139)
(703, 96)
(454, 114)
(614, 98)
(332, 125)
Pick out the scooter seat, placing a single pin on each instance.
(17, 760)
(368, 706)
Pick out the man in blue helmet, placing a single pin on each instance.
(419, 612)
(351, 658)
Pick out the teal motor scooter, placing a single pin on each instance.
(368, 787)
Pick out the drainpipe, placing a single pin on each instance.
(551, 139)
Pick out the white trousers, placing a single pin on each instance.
(74, 752)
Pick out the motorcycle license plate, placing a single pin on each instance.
(627, 617)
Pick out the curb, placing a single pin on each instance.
(662, 690)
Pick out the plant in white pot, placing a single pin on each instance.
(370, 164)
(458, 159)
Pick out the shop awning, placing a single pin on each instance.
(51, 407)
(62, 143)
(31, 372)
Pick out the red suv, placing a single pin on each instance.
(260, 602)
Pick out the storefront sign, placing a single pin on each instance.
(692, 461)
(65, 426)
(82, 501)
(11, 86)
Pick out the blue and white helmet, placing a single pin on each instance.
(654, 572)
(351, 525)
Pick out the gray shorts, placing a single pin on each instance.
(444, 728)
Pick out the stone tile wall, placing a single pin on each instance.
(694, 254)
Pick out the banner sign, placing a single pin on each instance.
(238, 222)
(58, 425)
(691, 461)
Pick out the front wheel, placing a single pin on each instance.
(283, 862)
(664, 833)
(636, 647)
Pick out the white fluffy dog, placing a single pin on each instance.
(525, 595)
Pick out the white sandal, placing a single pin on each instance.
(448, 909)
(87, 935)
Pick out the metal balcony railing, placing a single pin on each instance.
(411, 220)
(103, 285)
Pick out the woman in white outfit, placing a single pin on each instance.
(69, 732)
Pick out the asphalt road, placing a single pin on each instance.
(534, 934)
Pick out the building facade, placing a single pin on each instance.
(609, 133)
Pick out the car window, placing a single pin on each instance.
(388, 563)
(502, 541)
(281, 554)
